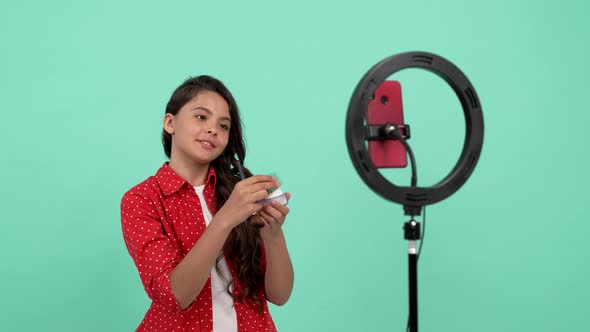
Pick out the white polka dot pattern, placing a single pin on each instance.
(161, 219)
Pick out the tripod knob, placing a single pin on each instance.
(412, 230)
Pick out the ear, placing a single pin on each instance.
(168, 123)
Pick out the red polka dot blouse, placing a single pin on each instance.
(161, 219)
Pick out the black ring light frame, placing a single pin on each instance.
(413, 198)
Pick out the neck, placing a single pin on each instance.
(192, 172)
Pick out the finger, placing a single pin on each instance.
(255, 208)
(258, 178)
(267, 217)
(284, 210)
(262, 186)
(258, 195)
(271, 210)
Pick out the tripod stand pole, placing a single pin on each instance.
(412, 233)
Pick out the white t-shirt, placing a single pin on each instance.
(224, 314)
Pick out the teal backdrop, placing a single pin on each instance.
(83, 87)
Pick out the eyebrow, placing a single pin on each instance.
(210, 112)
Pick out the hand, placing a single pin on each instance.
(243, 200)
(273, 217)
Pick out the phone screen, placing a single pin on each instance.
(386, 106)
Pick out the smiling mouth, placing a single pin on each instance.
(206, 144)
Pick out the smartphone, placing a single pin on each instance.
(386, 106)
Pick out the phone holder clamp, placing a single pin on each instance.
(388, 131)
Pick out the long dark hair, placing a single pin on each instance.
(243, 246)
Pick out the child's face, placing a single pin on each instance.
(200, 130)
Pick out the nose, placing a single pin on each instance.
(211, 131)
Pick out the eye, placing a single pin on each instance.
(200, 117)
(224, 126)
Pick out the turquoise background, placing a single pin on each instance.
(83, 87)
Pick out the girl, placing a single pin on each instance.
(208, 253)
